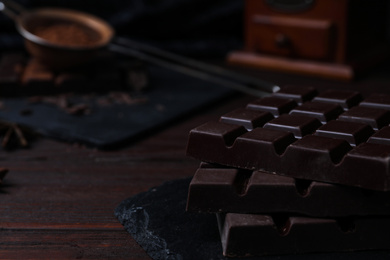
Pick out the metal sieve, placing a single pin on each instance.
(59, 56)
(53, 54)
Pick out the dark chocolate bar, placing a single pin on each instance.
(216, 189)
(330, 138)
(258, 235)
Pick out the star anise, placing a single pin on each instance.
(14, 135)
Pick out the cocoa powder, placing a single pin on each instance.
(67, 34)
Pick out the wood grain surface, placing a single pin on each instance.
(58, 199)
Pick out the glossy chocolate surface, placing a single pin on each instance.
(349, 151)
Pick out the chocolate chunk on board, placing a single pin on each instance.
(258, 235)
(216, 189)
(341, 150)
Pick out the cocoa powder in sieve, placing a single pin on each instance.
(67, 34)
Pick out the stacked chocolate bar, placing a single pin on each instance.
(297, 172)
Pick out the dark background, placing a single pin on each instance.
(198, 28)
(191, 27)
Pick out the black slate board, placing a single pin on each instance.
(157, 220)
(171, 95)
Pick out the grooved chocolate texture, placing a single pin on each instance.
(335, 136)
(216, 189)
(257, 235)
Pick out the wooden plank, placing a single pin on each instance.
(58, 200)
(62, 244)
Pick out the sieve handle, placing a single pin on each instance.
(228, 78)
(11, 9)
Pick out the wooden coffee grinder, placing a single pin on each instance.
(326, 38)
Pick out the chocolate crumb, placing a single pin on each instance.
(78, 109)
(26, 112)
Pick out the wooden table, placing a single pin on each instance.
(58, 199)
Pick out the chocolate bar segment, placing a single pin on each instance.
(297, 124)
(250, 119)
(259, 235)
(216, 189)
(354, 133)
(377, 100)
(275, 105)
(381, 137)
(325, 151)
(297, 93)
(223, 133)
(345, 98)
(375, 117)
(322, 111)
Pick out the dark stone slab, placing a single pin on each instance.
(171, 96)
(159, 223)
(157, 220)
